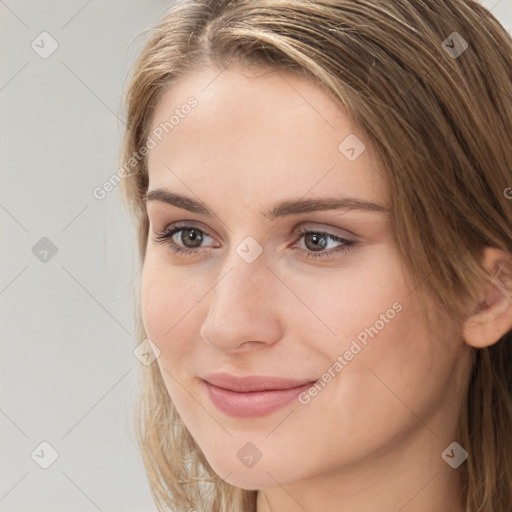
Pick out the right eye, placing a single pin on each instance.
(188, 233)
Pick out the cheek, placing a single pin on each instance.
(352, 300)
(153, 301)
(162, 301)
(378, 326)
(170, 304)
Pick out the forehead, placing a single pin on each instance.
(262, 135)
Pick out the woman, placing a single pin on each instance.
(322, 196)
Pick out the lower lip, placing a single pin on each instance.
(252, 403)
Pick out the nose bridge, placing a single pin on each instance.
(244, 275)
(241, 308)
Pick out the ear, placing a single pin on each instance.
(494, 316)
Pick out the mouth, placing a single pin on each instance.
(252, 396)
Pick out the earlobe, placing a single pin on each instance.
(494, 319)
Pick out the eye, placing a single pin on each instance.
(191, 237)
(317, 241)
(187, 234)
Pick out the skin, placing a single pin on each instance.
(372, 438)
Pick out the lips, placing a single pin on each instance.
(252, 396)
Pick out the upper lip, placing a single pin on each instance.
(253, 382)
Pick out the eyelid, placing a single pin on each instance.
(325, 228)
(167, 226)
(173, 227)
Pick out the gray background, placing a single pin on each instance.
(68, 373)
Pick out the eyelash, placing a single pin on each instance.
(166, 235)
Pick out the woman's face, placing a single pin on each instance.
(281, 286)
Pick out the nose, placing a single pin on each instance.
(243, 307)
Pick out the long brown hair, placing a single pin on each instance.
(440, 124)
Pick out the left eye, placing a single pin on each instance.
(319, 240)
(190, 234)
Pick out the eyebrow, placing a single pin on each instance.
(285, 208)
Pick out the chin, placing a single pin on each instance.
(263, 474)
(250, 481)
